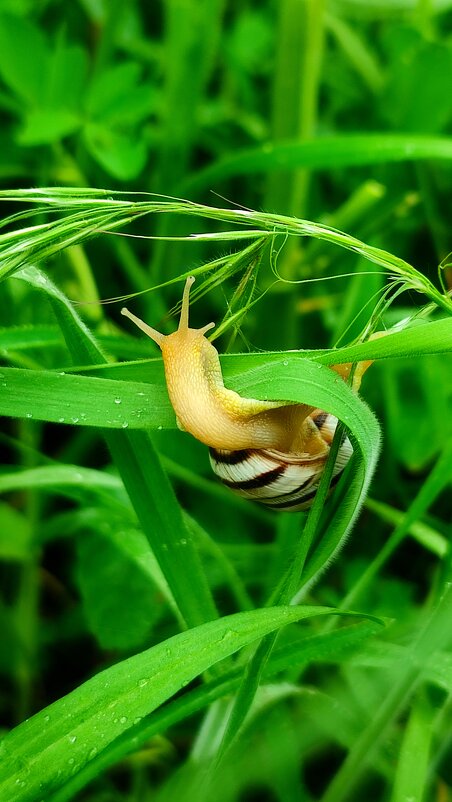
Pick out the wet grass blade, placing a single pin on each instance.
(43, 753)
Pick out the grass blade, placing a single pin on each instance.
(44, 752)
(148, 487)
(434, 636)
(321, 154)
(411, 773)
(330, 647)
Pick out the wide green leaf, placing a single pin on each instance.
(329, 647)
(322, 154)
(109, 403)
(47, 750)
(61, 398)
(24, 57)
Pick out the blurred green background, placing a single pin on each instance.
(338, 111)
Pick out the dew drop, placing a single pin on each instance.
(142, 683)
(75, 420)
(124, 425)
(72, 739)
(29, 414)
(228, 634)
(118, 401)
(123, 719)
(71, 761)
(159, 428)
(60, 420)
(93, 753)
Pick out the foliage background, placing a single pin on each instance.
(337, 111)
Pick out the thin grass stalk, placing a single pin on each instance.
(294, 95)
(282, 595)
(435, 634)
(43, 241)
(26, 608)
(439, 477)
(309, 82)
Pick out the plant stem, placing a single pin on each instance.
(431, 638)
(26, 608)
(434, 484)
(310, 69)
(295, 92)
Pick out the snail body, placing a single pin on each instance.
(267, 451)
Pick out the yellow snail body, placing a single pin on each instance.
(263, 450)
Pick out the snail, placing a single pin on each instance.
(266, 451)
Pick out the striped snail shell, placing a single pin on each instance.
(281, 481)
(266, 451)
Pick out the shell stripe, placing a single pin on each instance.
(261, 480)
(319, 419)
(304, 500)
(230, 457)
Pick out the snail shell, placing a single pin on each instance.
(278, 480)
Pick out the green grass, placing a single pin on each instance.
(161, 638)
